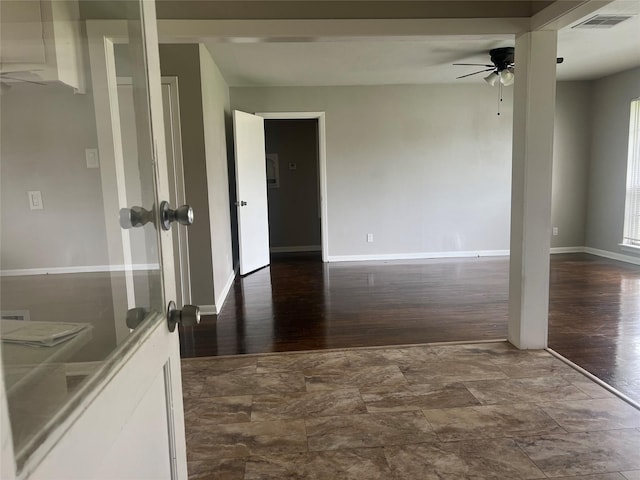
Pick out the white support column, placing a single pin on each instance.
(533, 116)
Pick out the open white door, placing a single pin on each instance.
(119, 416)
(251, 187)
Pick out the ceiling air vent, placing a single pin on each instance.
(603, 21)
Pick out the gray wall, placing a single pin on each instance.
(216, 115)
(183, 61)
(570, 163)
(294, 219)
(422, 168)
(45, 130)
(610, 102)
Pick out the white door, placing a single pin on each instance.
(251, 188)
(120, 415)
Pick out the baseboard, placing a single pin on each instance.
(555, 250)
(208, 310)
(417, 256)
(225, 292)
(612, 255)
(78, 269)
(296, 249)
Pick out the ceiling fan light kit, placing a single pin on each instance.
(502, 70)
(506, 77)
(492, 78)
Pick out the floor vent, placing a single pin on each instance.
(603, 21)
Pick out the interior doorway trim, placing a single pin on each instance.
(322, 165)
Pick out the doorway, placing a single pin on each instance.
(296, 179)
(293, 185)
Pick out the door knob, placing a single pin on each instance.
(183, 215)
(189, 316)
(135, 317)
(135, 217)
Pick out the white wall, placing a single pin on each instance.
(216, 112)
(611, 99)
(571, 163)
(45, 130)
(425, 169)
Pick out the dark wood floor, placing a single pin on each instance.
(594, 317)
(299, 303)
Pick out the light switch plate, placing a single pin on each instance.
(35, 200)
(91, 154)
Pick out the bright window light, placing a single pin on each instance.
(632, 203)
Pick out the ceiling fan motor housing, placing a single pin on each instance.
(502, 58)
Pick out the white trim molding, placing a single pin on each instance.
(296, 249)
(555, 250)
(613, 256)
(418, 256)
(322, 170)
(22, 272)
(223, 295)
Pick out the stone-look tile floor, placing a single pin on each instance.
(471, 411)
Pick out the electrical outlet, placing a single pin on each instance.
(555, 231)
(369, 237)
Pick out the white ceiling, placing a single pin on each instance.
(588, 53)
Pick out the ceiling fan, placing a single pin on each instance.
(503, 68)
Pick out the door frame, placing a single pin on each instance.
(176, 177)
(322, 166)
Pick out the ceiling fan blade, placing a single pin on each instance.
(473, 64)
(475, 73)
(21, 80)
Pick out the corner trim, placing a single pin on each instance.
(419, 255)
(594, 379)
(223, 295)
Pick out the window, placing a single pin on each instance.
(632, 204)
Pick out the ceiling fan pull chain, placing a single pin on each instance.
(499, 96)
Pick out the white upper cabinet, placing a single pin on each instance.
(41, 41)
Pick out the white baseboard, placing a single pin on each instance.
(295, 249)
(208, 310)
(78, 269)
(417, 256)
(613, 256)
(225, 291)
(566, 250)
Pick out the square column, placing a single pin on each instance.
(533, 116)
